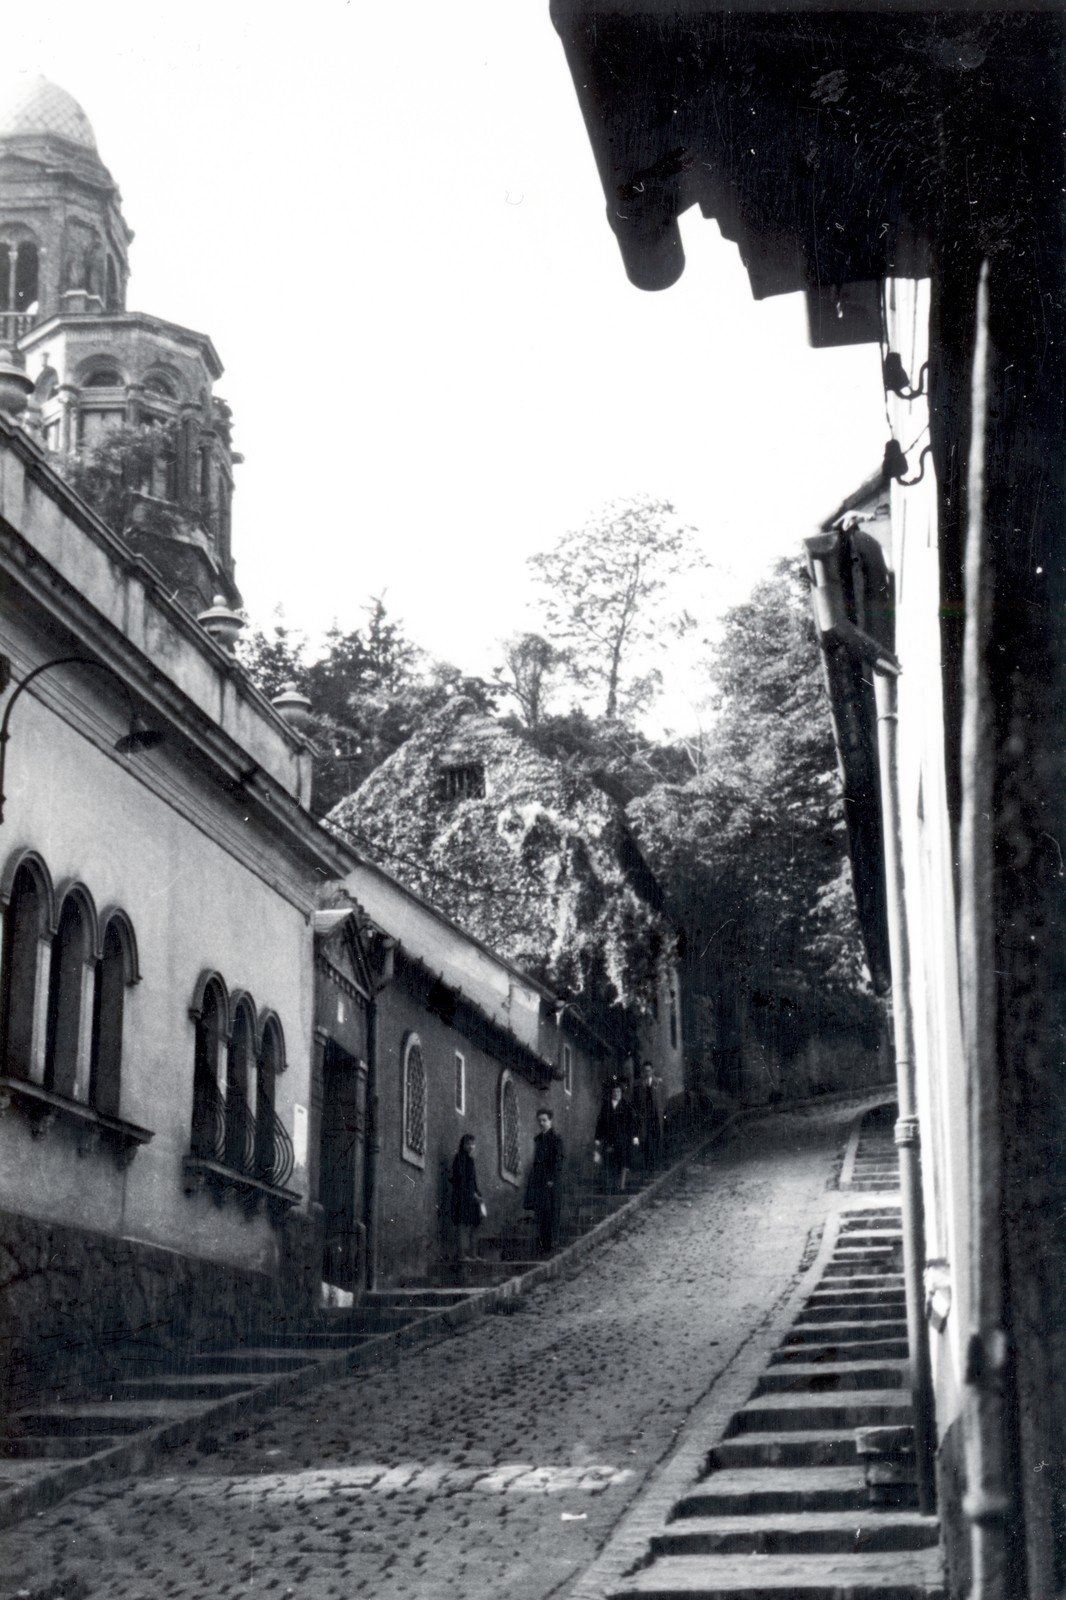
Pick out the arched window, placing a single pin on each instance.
(208, 1113)
(116, 969)
(510, 1130)
(25, 277)
(70, 1003)
(273, 1148)
(103, 378)
(414, 1102)
(24, 978)
(112, 285)
(159, 383)
(240, 1089)
(18, 275)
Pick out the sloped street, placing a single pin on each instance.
(496, 1462)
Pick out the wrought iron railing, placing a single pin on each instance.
(226, 1131)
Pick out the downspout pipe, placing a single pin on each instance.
(988, 1501)
(908, 1141)
(838, 632)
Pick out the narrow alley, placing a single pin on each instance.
(496, 1462)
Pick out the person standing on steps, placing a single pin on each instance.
(649, 1109)
(544, 1186)
(468, 1208)
(617, 1137)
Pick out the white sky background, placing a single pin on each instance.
(389, 221)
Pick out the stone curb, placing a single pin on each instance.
(134, 1455)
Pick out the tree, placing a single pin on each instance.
(113, 475)
(530, 663)
(370, 689)
(604, 584)
(752, 849)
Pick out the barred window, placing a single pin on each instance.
(460, 1084)
(568, 1069)
(510, 1132)
(414, 1102)
(463, 783)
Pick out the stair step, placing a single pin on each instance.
(843, 1332)
(854, 1305)
(48, 1447)
(316, 1343)
(859, 1408)
(177, 1388)
(810, 1447)
(751, 1491)
(812, 1377)
(798, 1533)
(901, 1575)
(260, 1361)
(77, 1421)
(855, 1350)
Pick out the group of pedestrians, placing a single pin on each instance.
(629, 1134)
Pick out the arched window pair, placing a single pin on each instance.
(238, 1057)
(63, 989)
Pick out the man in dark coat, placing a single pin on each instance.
(468, 1208)
(648, 1104)
(544, 1186)
(617, 1136)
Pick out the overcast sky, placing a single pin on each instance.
(389, 221)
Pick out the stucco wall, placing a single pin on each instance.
(414, 1227)
(927, 853)
(200, 893)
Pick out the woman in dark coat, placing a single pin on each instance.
(468, 1208)
(544, 1186)
(617, 1136)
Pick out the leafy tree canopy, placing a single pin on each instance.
(752, 850)
(604, 587)
(526, 853)
(113, 475)
(370, 689)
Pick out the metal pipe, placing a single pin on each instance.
(987, 1502)
(907, 1129)
(372, 1146)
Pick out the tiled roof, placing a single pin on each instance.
(43, 107)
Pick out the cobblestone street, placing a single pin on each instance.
(494, 1463)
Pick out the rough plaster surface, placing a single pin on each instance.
(597, 1372)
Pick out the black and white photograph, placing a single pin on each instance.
(532, 800)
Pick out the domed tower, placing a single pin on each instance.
(108, 380)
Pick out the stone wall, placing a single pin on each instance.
(78, 1306)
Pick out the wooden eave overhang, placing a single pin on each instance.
(825, 139)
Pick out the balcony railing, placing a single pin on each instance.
(13, 324)
(233, 1145)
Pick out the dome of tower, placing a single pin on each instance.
(43, 107)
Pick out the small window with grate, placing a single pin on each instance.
(460, 1084)
(510, 1131)
(414, 1102)
(463, 783)
(568, 1069)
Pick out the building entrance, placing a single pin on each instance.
(343, 1168)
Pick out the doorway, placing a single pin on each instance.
(342, 1168)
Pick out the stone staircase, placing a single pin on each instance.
(587, 1202)
(810, 1494)
(153, 1392)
